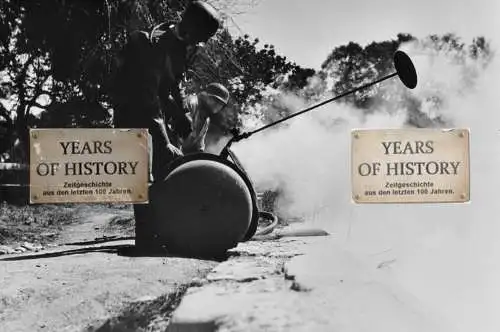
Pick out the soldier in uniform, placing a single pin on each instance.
(201, 109)
(150, 69)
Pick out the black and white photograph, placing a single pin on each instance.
(249, 165)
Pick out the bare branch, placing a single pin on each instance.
(234, 7)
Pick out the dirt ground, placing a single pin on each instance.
(84, 284)
(50, 223)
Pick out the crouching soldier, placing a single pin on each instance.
(150, 69)
(201, 109)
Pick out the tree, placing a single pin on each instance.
(349, 66)
(246, 69)
(46, 48)
(352, 65)
(57, 58)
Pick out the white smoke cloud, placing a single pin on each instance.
(446, 255)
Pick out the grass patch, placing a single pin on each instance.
(34, 223)
(43, 223)
(122, 223)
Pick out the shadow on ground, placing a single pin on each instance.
(114, 249)
(126, 250)
(143, 315)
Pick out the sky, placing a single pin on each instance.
(307, 31)
(445, 255)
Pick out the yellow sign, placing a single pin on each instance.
(410, 166)
(88, 165)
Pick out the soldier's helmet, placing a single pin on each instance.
(217, 91)
(200, 21)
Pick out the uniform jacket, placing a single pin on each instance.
(150, 70)
(195, 142)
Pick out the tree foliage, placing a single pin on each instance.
(352, 65)
(57, 57)
(51, 53)
(247, 70)
(57, 60)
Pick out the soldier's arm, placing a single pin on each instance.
(178, 96)
(137, 40)
(179, 99)
(176, 111)
(172, 97)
